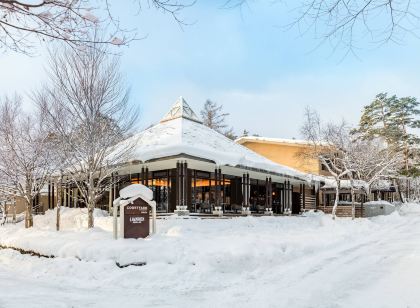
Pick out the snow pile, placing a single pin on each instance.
(136, 190)
(409, 209)
(379, 202)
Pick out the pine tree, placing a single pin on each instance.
(404, 116)
(376, 122)
(393, 119)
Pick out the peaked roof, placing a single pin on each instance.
(180, 132)
(180, 109)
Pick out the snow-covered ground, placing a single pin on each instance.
(309, 261)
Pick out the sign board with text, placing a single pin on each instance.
(137, 219)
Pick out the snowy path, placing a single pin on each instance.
(273, 262)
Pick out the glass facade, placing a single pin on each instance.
(205, 190)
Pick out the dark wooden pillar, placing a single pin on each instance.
(52, 196)
(270, 193)
(291, 197)
(194, 174)
(248, 189)
(78, 198)
(218, 186)
(221, 187)
(70, 204)
(49, 194)
(66, 195)
(224, 187)
(244, 190)
(284, 205)
(301, 195)
(317, 195)
(266, 192)
(184, 183)
(178, 184)
(181, 183)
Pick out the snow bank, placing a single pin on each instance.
(379, 202)
(223, 244)
(409, 208)
(304, 261)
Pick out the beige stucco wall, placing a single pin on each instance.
(286, 154)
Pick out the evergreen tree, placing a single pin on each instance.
(376, 122)
(393, 119)
(404, 116)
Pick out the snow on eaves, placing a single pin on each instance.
(330, 183)
(244, 139)
(282, 141)
(183, 136)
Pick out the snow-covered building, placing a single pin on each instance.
(190, 166)
(288, 152)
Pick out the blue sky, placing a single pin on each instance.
(262, 74)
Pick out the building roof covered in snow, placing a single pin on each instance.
(383, 185)
(330, 183)
(181, 133)
(285, 141)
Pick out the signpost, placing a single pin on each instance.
(136, 211)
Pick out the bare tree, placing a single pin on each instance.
(347, 156)
(328, 146)
(26, 162)
(7, 200)
(213, 116)
(344, 23)
(89, 113)
(373, 160)
(23, 21)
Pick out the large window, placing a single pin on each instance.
(159, 182)
(205, 192)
